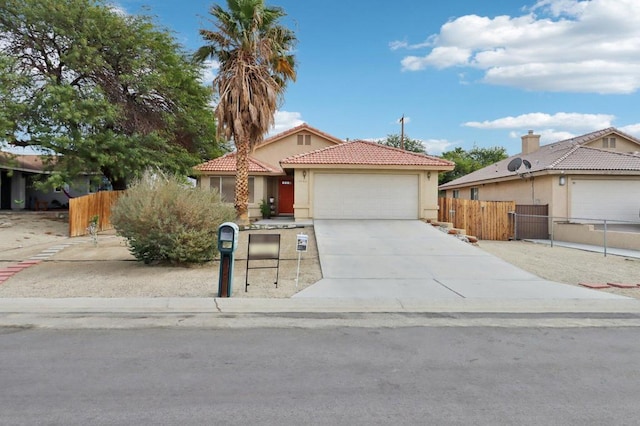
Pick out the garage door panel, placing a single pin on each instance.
(617, 200)
(365, 196)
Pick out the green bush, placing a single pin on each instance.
(164, 220)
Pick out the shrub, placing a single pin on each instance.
(165, 220)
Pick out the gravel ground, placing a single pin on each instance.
(107, 269)
(570, 266)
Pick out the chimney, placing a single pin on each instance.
(530, 143)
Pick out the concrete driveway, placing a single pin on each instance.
(412, 259)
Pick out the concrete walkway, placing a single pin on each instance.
(373, 259)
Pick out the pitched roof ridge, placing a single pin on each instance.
(263, 164)
(624, 154)
(586, 138)
(563, 157)
(626, 135)
(363, 152)
(295, 129)
(304, 154)
(403, 151)
(252, 161)
(391, 148)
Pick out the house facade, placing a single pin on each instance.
(583, 180)
(308, 174)
(18, 173)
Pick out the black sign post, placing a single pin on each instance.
(263, 247)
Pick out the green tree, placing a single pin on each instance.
(101, 91)
(254, 52)
(409, 144)
(470, 161)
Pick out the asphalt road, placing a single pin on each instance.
(336, 376)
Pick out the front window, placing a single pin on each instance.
(226, 185)
(474, 194)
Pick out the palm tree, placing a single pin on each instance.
(254, 52)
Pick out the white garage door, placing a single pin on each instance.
(605, 199)
(365, 196)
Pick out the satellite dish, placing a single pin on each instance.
(527, 164)
(514, 164)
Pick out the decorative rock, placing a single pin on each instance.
(594, 285)
(623, 285)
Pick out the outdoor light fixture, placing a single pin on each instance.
(562, 180)
(429, 175)
(304, 174)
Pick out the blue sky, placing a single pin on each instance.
(463, 72)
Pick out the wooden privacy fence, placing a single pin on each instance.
(487, 220)
(82, 209)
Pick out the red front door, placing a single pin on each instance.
(285, 195)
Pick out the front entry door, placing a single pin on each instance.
(285, 195)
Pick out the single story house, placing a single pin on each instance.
(308, 174)
(18, 173)
(585, 179)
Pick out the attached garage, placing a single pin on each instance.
(365, 180)
(365, 196)
(614, 200)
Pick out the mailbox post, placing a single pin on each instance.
(227, 244)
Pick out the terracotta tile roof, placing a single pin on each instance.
(366, 153)
(227, 163)
(565, 155)
(294, 130)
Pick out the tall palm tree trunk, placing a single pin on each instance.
(242, 182)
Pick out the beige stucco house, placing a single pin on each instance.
(308, 174)
(585, 179)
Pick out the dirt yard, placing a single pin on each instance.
(82, 269)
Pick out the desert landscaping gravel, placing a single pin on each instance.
(83, 269)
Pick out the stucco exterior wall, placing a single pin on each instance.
(275, 151)
(259, 193)
(428, 195)
(622, 144)
(18, 191)
(586, 234)
(536, 190)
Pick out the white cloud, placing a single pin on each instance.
(546, 135)
(395, 45)
(285, 120)
(537, 120)
(558, 45)
(632, 129)
(436, 146)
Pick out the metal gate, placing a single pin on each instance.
(532, 222)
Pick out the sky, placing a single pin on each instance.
(463, 73)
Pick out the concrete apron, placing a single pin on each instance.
(410, 259)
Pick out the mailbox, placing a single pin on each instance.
(227, 243)
(228, 237)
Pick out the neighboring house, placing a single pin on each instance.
(309, 174)
(17, 176)
(593, 176)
